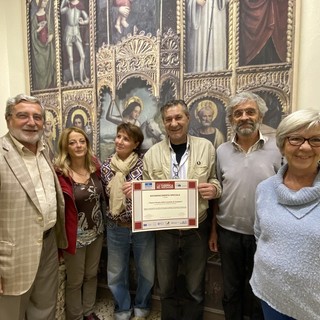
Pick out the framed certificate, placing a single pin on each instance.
(164, 204)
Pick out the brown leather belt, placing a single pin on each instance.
(124, 224)
(46, 233)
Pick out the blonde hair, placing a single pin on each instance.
(63, 160)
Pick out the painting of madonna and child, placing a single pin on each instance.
(207, 118)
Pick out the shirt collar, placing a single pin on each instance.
(187, 147)
(258, 145)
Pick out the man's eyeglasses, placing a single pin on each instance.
(250, 112)
(298, 141)
(25, 116)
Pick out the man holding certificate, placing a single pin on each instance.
(181, 156)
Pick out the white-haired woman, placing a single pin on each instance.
(286, 275)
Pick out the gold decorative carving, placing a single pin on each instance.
(84, 97)
(275, 79)
(203, 85)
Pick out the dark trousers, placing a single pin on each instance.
(237, 252)
(272, 314)
(181, 264)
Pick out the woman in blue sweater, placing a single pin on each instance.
(286, 275)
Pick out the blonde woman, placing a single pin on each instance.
(79, 175)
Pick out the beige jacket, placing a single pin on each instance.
(21, 223)
(201, 165)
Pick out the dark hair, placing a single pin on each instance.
(174, 103)
(78, 116)
(126, 112)
(133, 131)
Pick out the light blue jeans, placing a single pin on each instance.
(119, 241)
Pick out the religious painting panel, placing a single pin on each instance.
(263, 31)
(52, 124)
(169, 11)
(42, 50)
(118, 18)
(207, 119)
(51, 131)
(133, 103)
(75, 20)
(79, 116)
(275, 106)
(206, 35)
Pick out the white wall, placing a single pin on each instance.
(308, 82)
(14, 64)
(13, 53)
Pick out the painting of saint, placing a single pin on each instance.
(206, 38)
(78, 117)
(42, 45)
(134, 104)
(128, 113)
(50, 132)
(75, 18)
(205, 113)
(118, 18)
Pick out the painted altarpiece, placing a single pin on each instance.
(90, 59)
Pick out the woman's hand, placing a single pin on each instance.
(127, 189)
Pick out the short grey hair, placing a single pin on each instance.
(243, 97)
(13, 101)
(301, 119)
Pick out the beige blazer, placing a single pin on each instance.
(201, 166)
(21, 223)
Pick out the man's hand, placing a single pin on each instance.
(207, 191)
